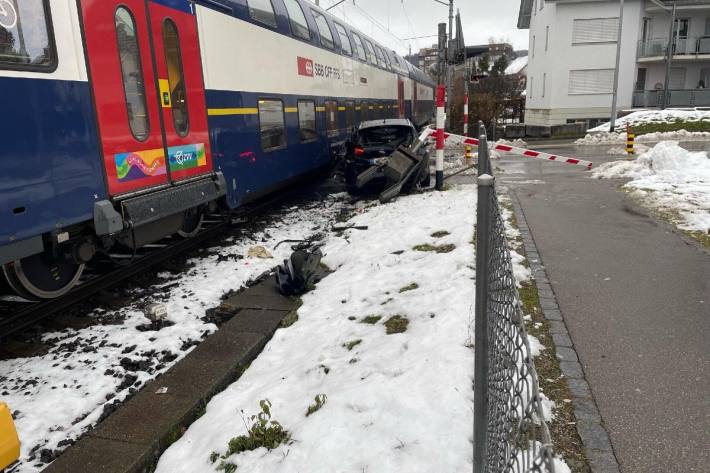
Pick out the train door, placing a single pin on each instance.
(400, 97)
(147, 82)
(414, 102)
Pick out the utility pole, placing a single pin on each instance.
(449, 57)
(612, 122)
(669, 58)
(442, 54)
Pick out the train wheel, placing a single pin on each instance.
(192, 222)
(35, 277)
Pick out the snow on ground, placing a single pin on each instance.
(63, 393)
(399, 402)
(393, 402)
(657, 116)
(670, 179)
(605, 139)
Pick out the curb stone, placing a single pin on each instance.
(595, 439)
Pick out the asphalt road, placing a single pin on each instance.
(635, 296)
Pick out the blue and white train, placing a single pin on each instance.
(123, 121)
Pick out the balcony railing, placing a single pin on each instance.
(692, 46)
(676, 98)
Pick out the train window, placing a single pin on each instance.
(387, 59)
(262, 11)
(271, 124)
(349, 114)
(326, 36)
(299, 26)
(359, 47)
(176, 78)
(307, 120)
(132, 73)
(364, 111)
(345, 45)
(26, 40)
(331, 117)
(380, 57)
(370, 53)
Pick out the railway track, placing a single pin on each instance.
(16, 316)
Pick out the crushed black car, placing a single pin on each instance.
(386, 155)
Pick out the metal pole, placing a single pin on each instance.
(480, 369)
(612, 121)
(669, 58)
(449, 59)
(440, 119)
(442, 51)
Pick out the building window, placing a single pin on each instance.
(544, 82)
(349, 114)
(547, 37)
(176, 78)
(359, 47)
(345, 45)
(271, 124)
(331, 117)
(132, 73)
(591, 81)
(307, 120)
(640, 79)
(262, 11)
(326, 36)
(530, 92)
(677, 79)
(595, 30)
(26, 40)
(299, 26)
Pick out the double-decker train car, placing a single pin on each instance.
(124, 121)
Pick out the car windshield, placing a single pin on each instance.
(389, 136)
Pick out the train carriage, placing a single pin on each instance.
(124, 121)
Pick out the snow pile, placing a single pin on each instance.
(638, 149)
(657, 116)
(671, 179)
(518, 143)
(394, 402)
(61, 394)
(592, 139)
(517, 65)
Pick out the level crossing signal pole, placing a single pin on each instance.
(440, 120)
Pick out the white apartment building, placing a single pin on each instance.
(572, 54)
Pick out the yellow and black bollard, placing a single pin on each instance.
(630, 137)
(9, 443)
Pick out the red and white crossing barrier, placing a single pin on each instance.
(440, 120)
(452, 139)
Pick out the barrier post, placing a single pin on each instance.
(440, 120)
(467, 147)
(630, 138)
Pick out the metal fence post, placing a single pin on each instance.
(480, 369)
(483, 160)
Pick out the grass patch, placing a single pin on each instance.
(703, 238)
(263, 432)
(448, 248)
(440, 233)
(652, 127)
(409, 287)
(396, 324)
(318, 402)
(352, 344)
(292, 317)
(371, 319)
(387, 301)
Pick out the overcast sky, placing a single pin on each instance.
(481, 19)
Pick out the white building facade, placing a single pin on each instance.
(572, 57)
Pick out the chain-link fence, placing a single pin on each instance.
(510, 434)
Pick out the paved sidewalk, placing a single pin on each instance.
(636, 299)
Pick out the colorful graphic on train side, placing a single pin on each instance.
(140, 164)
(186, 157)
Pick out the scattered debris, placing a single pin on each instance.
(259, 251)
(298, 274)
